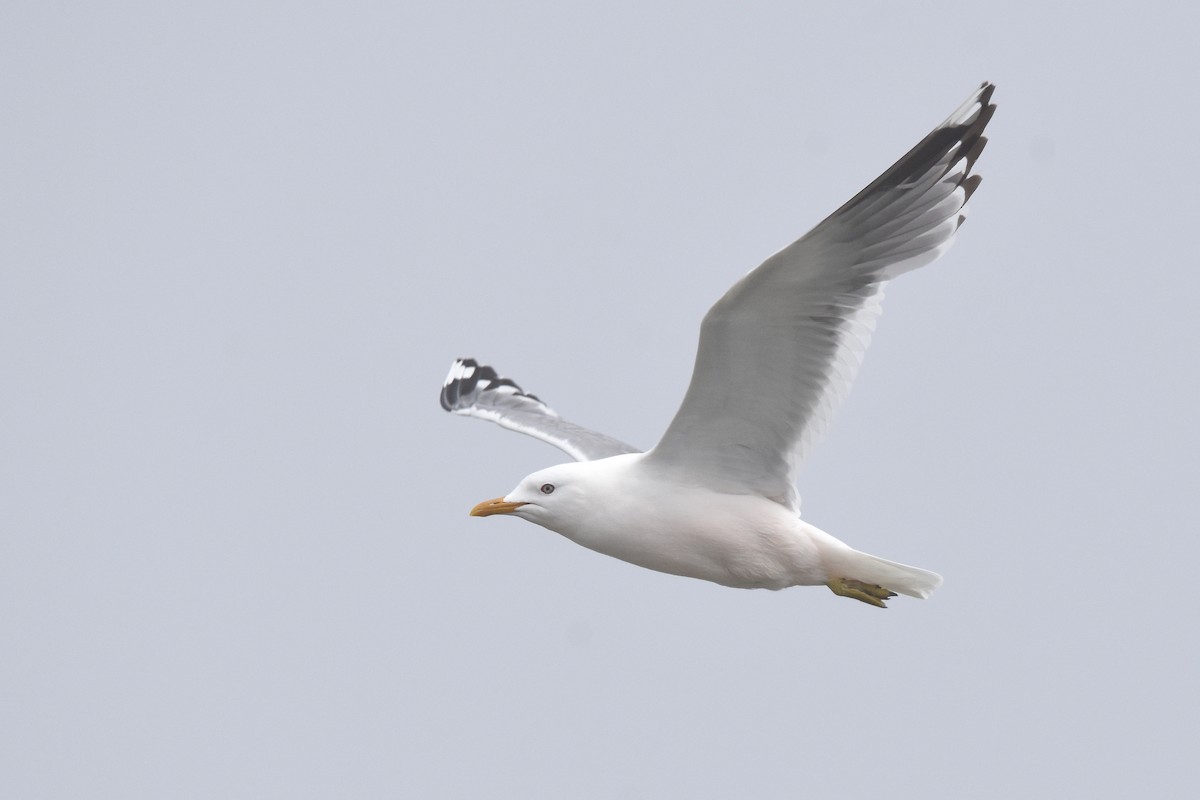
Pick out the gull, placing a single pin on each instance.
(715, 499)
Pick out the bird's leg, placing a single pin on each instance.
(864, 592)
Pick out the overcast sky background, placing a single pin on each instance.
(241, 243)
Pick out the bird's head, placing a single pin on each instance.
(566, 497)
(542, 497)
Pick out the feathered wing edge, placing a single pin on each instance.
(939, 169)
(476, 390)
(757, 403)
(945, 156)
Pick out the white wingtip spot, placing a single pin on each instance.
(458, 371)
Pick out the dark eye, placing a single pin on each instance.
(547, 488)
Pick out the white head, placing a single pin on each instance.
(545, 497)
(565, 497)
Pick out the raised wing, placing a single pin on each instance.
(780, 349)
(474, 390)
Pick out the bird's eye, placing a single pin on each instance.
(547, 488)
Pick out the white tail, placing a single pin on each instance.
(901, 578)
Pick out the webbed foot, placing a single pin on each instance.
(864, 592)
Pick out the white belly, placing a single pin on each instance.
(742, 541)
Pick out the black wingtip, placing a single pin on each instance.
(452, 387)
(466, 374)
(973, 153)
(969, 186)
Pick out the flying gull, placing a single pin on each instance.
(715, 498)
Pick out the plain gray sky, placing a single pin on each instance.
(240, 245)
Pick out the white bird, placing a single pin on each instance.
(715, 498)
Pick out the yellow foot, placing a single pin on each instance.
(866, 592)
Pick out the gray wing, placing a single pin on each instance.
(475, 390)
(780, 349)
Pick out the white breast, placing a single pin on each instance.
(743, 541)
